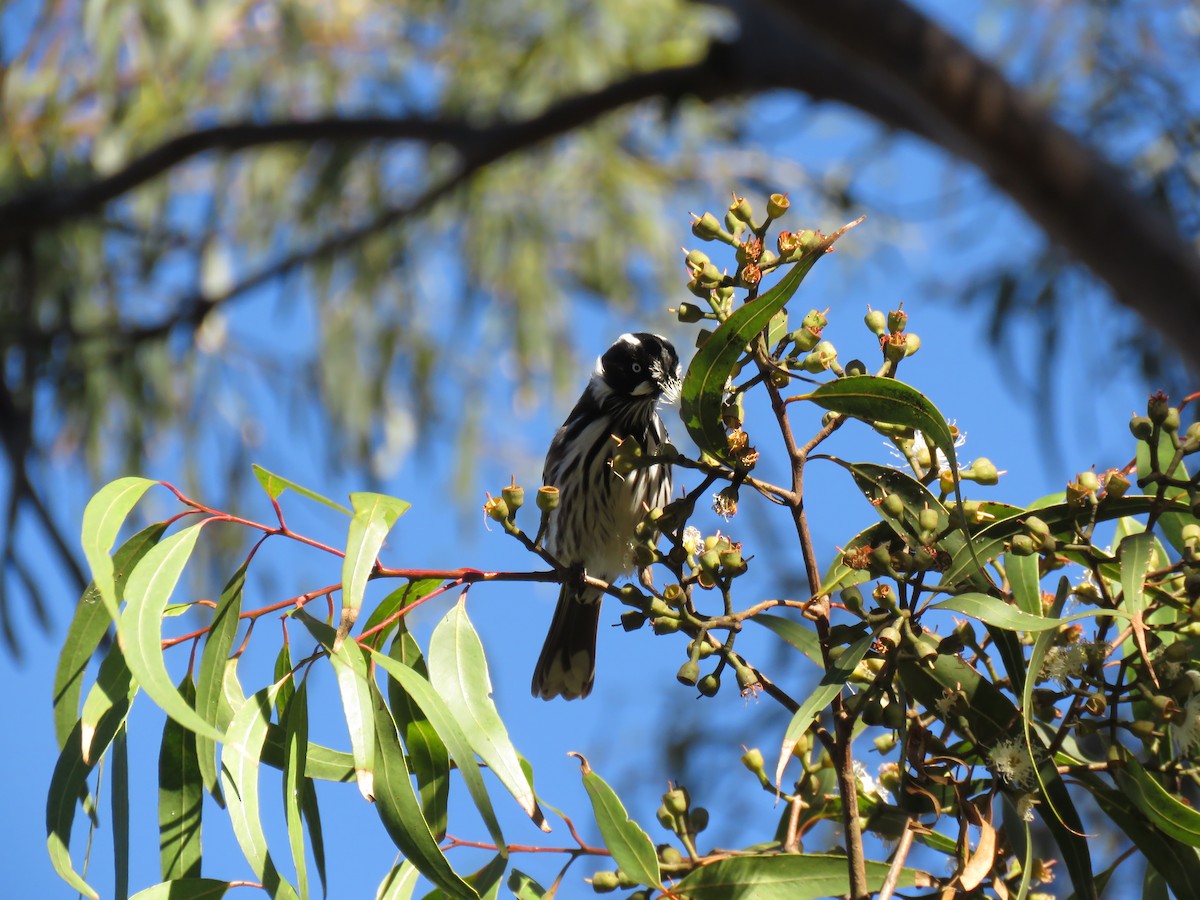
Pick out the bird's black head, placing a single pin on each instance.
(642, 366)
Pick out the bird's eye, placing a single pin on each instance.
(637, 367)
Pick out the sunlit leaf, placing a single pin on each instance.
(426, 751)
(295, 739)
(1165, 811)
(211, 681)
(275, 485)
(239, 776)
(374, 516)
(829, 687)
(185, 889)
(525, 887)
(459, 673)
(147, 593)
(785, 876)
(400, 810)
(399, 882)
(630, 846)
(350, 668)
(447, 729)
(113, 688)
(102, 520)
(88, 627)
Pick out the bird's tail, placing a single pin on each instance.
(568, 661)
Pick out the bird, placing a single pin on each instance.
(599, 509)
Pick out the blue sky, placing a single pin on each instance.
(636, 695)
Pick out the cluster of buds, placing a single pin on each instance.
(716, 558)
(677, 814)
(503, 509)
(1160, 428)
(894, 341)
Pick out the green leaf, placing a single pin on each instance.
(790, 876)
(239, 775)
(1178, 863)
(295, 739)
(113, 688)
(994, 611)
(447, 729)
(829, 687)
(88, 627)
(67, 784)
(312, 815)
(1025, 581)
(876, 399)
(275, 485)
(525, 887)
(630, 846)
(102, 520)
(1170, 523)
(426, 751)
(1134, 553)
(877, 482)
(211, 681)
(146, 594)
(703, 388)
(350, 667)
(795, 633)
(119, 807)
(180, 798)
(1165, 811)
(374, 516)
(400, 811)
(990, 541)
(185, 889)
(406, 594)
(399, 882)
(458, 672)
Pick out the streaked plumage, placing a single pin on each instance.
(598, 511)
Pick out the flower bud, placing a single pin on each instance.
(709, 685)
(751, 275)
(677, 800)
(735, 226)
(547, 498)
(707, 228)
(669, 855)
(927, 519)
(514, 496)
(604, 882)
(633, 620)
(885, 743)
(689, 312)
(709, 276)
(740, 209)
(1171, 422)
(777, 205)
(1023, 545)
(852, 599)
(496, 509)
(876, 321)
(1191, 438)
(982, 471)
(689, 673)
(698, 820)
(701, 650)
(892, 505)
(856, 367)
(1141, 427)
(912, 344)
(752, 759)
(665, 819)
(1157, 407)
(897, 319)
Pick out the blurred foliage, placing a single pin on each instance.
(130, 334)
